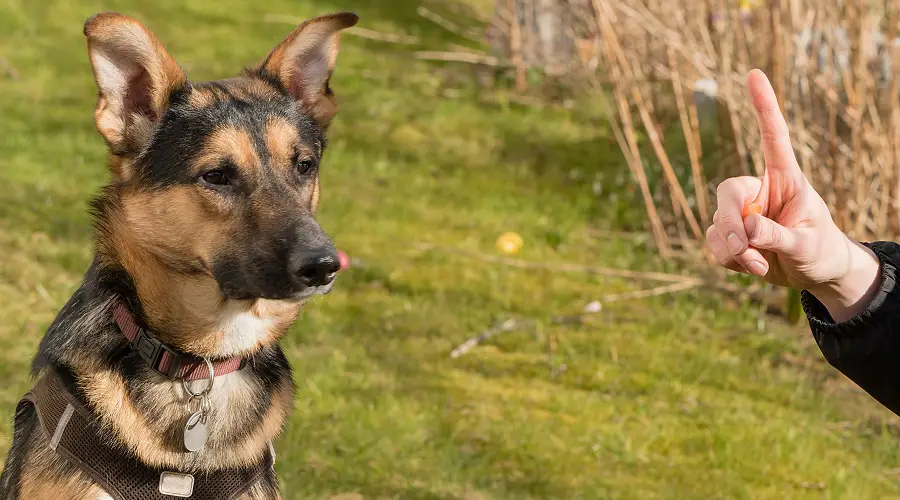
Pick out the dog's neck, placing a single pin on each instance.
(188, 312)
(180, 302)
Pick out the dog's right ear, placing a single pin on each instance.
(136, 78)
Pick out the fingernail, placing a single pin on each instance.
(734, 243)
(757, 268)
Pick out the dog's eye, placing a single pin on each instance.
(302, 167)
(216, 178)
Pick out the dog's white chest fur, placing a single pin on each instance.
(241, 329)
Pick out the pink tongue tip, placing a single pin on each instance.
(344, 259)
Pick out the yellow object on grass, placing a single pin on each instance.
(509, 242)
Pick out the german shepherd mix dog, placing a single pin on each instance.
(162, 376)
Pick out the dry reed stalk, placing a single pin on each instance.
(677, 193)
(726, 49)
(796, 95)
(647, 22)
(855, 98)
(690, 139)
(445, 23)
(777, 72)
(650, 126)
(893, 132)
(695, 123)
(703, 28)
(628, 145)
(515, 44)
(743, 36)
(633, 157)
(649, 50)
(895, 156)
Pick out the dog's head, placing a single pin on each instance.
(220, 178)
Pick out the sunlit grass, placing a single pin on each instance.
(671, 397)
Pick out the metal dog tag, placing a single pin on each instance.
(195, 432)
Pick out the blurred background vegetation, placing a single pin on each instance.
(606, 359)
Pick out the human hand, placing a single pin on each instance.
(792, 240)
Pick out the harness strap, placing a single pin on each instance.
(75, 434)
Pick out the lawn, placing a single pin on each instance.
(680, 396)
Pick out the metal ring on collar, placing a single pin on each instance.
(206, 390)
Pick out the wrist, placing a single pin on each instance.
(850, 293)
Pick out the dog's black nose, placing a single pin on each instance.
(316, 267)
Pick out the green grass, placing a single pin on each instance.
(671, 397)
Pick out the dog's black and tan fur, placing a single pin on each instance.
(207, 233)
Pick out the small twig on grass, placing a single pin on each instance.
(507, 326)
(650, 292)
(753, 291)
(463, 57)
(639, 236)
(517, 324)
(618, 297)
(562, 266)
(397, 38)
(446, 24)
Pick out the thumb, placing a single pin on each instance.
(766, 234)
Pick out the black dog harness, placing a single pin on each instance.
(74, 433)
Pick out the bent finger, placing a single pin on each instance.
(720, 251)
(731, 195)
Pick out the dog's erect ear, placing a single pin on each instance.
(303, 63)
(135, 76)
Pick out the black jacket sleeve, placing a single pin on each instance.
(866, 348)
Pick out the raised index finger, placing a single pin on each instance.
(773, 129)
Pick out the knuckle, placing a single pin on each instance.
(757, 231)
(775, 136)
(774, 236)
(725, 186)
(733, 184)
(725, 220)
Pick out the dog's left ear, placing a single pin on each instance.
(303, 63)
